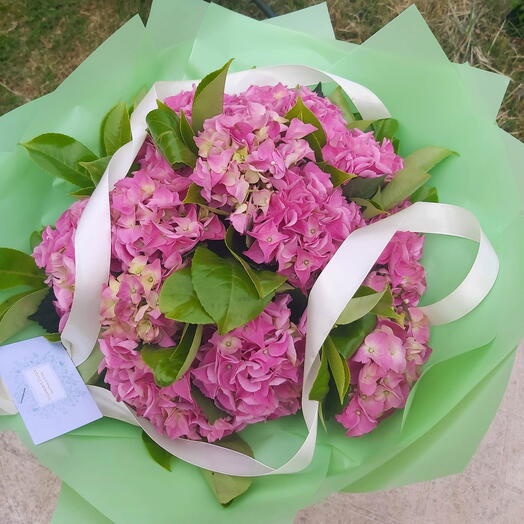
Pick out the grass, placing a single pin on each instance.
(42, 41)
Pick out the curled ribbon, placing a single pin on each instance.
(333, 289)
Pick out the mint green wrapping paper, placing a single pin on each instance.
(107, 475)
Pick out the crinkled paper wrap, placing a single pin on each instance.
(107, 476)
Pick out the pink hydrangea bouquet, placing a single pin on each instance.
(217, 237)
(244, 248)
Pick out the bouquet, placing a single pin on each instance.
(246, 248)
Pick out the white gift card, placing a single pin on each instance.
(46, 388)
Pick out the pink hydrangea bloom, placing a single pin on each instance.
(56, 255)
(254, 372)
(150, 220)
(172, 409)
(383, 371)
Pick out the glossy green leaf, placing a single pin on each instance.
(85, 192)
(116, 129)
(318, 90)
(164, 126)
(425, 194)
(8, 302)
(338, 177)
(193, 195)
(427, 158)
(187, 133)
(15, 318)
(361, 187)
(363, 125)
(371, 208)
(228, 487)
(140, 94)
(320, 387)
(89, 368)
(54, 337)
(338, 97)
(384, 128)
(316, 139)
(179, 301)
(96, 168)
(413, 176)
(35, 239)
(347, 338)
(60, 155)
(207, 406)
(406, 181)
(157, 453)
(363, 302)
(338, 367)
(384, 307)
(209, 97)
(224, 290)
(19, 269)
(265, 282)
(170, 364)
(45, 315)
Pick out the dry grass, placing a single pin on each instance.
(41, 41)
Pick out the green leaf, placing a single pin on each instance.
(349, 337)
(45, 315)
(35, 239)
(19, 269)
(339, 369)
(371, 208)
(116, 129)
(331, 404)
(164, 126)
(187, 133)
(157, 453)
(141, 93)
(224, 290)
(85, 192)
(209, 97)
(363, 302)
(170, 364)
(316, 139)
(96, 168)
(320, 387)
(8, 302)
(413, 176)
(406, 181)
(60, 155)
(207, 406)
(89, 368)
(193, 195)
(226, 488)
(425, 194)
(54, 337)
(15, 318)
(265, 282)
(339, 99)
(338, 177)
(179, 301)
(427, 158)
(361, 187)
(384, 128)
(384, 307)
(360, 124)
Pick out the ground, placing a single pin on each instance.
(42, 41)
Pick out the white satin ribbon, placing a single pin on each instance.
(335, 286)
